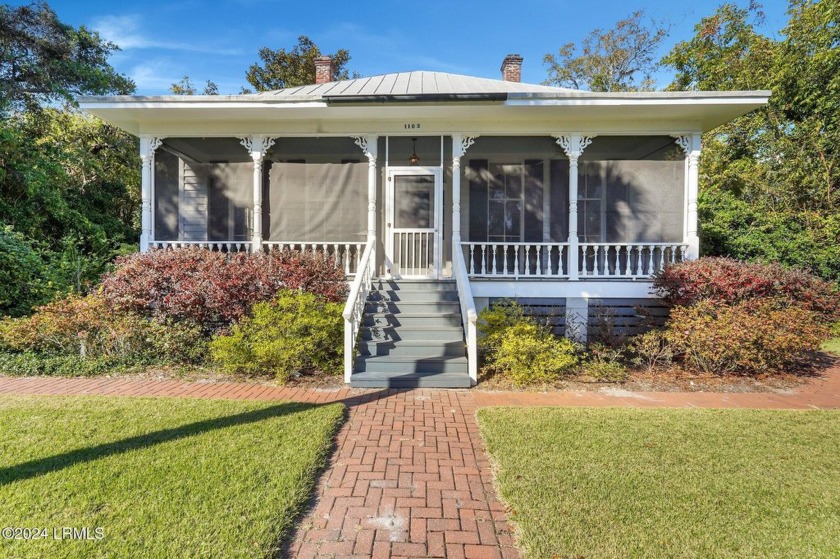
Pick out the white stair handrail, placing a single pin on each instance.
(468, 312)
(355, 307)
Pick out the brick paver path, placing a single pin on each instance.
(409, 477)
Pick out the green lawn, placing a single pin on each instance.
(604, 483)
(161, 477)
(832, 346)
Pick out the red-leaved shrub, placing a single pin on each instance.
(214, 289)
(726, 281)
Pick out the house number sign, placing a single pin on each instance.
(411, 126)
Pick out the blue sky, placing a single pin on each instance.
(162, 40)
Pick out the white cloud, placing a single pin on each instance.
(155, 75)
(126, 32)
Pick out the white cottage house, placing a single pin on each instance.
(436, 193)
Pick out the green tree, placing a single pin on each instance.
(186, 87)
(21, 274)
(769, 179)
(43, 60)
(621, 59)
(280, 68)
(69, 183)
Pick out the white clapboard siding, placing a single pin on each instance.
(193, 222)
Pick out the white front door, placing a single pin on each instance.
(414, 209)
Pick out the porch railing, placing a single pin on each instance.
(347, 254)
(468, 312)
(355, 307)
(221, 246)
(627, 260)
(513, 260)
(551, 260)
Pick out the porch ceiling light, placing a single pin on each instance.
(413, 160)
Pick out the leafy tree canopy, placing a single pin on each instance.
(280, 68)
(43, 60)
(772, 176)
(621, 59)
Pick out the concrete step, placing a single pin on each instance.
(415, 348)
(412, 319)
(410, 380)
(412, 307)
(390, 333)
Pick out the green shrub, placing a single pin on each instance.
(31, 364)
(296, 332)
(605, 363)
(21, 274)
(529, 354)
(651, 350)
(175, 343)
(494, 321)
(748, 338)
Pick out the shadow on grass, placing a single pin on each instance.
(33, 468)
(285, 541)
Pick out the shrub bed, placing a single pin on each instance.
(163, 307)
(725, 281)
(730, 317)
(87, 328)
(750, 337)
(215, 289)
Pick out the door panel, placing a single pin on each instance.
(414, 200)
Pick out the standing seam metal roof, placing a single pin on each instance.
(411, 83)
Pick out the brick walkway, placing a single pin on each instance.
(410, 477)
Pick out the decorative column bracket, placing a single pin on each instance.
(369, 146)
(573, 146)
(460, 144)
(148, 146)
(257, 147)
(691, 145)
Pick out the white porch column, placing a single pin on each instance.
(460, 145)
(573, 145)
(369, 145)
(148, 145)
(691, 145)
(257, 147)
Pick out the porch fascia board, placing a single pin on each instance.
(510, 117)
(587, 289)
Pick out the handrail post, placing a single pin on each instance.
(354, 308)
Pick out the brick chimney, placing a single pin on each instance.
(323, 69)
(512, 68)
